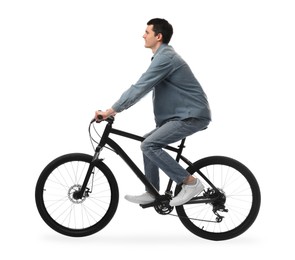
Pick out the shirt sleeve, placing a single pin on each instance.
(159, 69)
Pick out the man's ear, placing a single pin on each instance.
(159, 37)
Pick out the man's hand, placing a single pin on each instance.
(102, 115)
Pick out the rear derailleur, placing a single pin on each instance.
(218, 201)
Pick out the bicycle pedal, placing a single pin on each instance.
(148, 205)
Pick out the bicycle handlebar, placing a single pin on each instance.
(100, 117)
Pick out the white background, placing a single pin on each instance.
(62, 60)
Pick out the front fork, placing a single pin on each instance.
(79, 194)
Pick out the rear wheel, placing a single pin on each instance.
(58, 203)
(236, 203)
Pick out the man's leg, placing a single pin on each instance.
(170, 132)
(155, 157)
(151, 172)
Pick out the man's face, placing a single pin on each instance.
(151, 40)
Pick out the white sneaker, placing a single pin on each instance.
(187, 192)
(141, 199)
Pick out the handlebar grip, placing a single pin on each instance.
(94, 120)
(100, 119)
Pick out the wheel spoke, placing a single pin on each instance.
(223, 218)
(65, 208)
(57, 201)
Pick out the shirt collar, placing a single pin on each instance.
(163, 45)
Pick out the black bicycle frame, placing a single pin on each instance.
(105, 140)
(134, 167)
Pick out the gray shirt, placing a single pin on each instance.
(177, 94)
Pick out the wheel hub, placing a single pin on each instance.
(220, 200)
(73, 192)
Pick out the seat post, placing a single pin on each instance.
(181, 147)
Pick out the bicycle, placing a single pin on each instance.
(77, 194)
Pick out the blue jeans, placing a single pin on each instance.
(155, 157)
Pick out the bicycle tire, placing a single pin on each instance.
(59, 208)
(242, 202)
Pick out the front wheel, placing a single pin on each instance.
(64, 212)
(236, 196)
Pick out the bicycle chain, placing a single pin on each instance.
(211, 221)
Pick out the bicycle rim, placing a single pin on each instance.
(241, 200)
(55, 196)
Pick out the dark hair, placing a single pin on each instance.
(163, 27)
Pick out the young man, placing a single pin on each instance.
(180, 108)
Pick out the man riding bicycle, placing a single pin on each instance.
(180, 107)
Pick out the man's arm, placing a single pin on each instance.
(159, 69)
